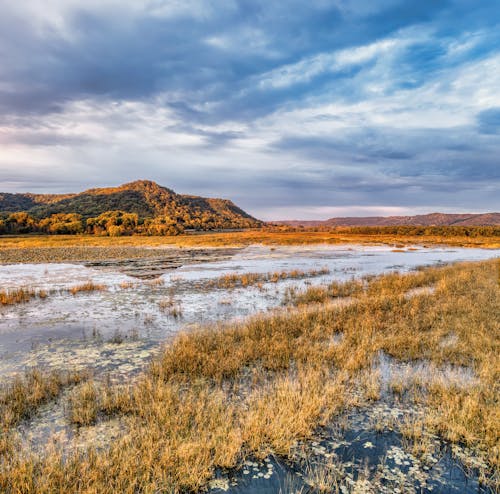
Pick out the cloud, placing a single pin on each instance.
(278, 105)
(489, 121)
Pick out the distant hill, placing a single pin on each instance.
(143, 198)
(432, 219)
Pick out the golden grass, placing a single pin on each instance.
(171, 307)
(82, 406)
(155, 282)
(321, 294)
(289, 408)
(244, 238)
(166, 304)
(388, 285)
(20, 295)
(21, 398)
(216, 395)
(324, 477)
(233, 280)
(26, 294)
(125, 285)
(88, 286)
(7, 443)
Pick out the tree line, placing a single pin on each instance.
(114, 223)
(118, 223)
(441, 231)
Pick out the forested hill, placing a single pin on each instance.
(432, 219)
(137, 207)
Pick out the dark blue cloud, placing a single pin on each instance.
(123, 58)
(489, 121)
(225, 71)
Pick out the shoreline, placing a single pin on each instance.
(47, 249)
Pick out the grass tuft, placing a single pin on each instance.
(217, 395)
(88, 286)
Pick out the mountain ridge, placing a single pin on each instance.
(431, 219)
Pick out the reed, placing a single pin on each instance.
(216, 395)
(235, 280)
(88, 286)
(20, 295)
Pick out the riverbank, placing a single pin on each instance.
(62, 248)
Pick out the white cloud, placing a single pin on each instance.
(331, 62)
(324, 212)
(367, 116)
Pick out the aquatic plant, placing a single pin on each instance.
(234, 280)
(216, 395)
(20, 295)
(88, 286)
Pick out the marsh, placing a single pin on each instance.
(312, 405)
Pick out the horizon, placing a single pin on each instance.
(271, 220)
(300, 112)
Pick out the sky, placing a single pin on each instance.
(293, 109)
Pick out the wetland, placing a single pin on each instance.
(259, 368)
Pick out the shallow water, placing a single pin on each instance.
(72, 329)
(364, 461)
(363, 450)
(116, 331)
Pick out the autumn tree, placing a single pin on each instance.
(113, 223)
(20, 223)
(62, 224)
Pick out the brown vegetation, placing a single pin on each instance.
(83, 404)
(216, 395)
(171, 307)
(25, 294)
(20, 295)
(21, 398)
(233, 280)
(88, 286)
(61, 247)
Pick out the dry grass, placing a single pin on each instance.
(415, 438)
(155, 282)
(21, 398)
(290, 408)
(88, 286)
(325, 477)
(234, 280)
(125, 285)
(216, 395)
(370, 383)
(388, 285)
(20, 295)
(166, 304)
(171, 307)
(244, 238)
(321, 294)
(82, 405)
(26, 294)
(7, 443)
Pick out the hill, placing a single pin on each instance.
(147, 202)
(432, 219)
